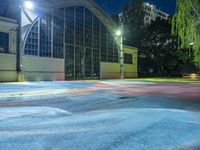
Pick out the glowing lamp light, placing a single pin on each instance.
(191, 43)
(28, 5)
(119, 33)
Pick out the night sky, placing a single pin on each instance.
(116, 6)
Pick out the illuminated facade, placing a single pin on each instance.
(79, 33)
(67, 39)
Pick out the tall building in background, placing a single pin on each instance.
(151, 13)
(135, 18)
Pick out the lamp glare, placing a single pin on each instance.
(118, 33)
(28, 5)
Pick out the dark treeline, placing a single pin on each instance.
(158, 48)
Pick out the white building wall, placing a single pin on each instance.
(131, 70)
(112, 70)
(109, 70)
(8, 67)
(34, 68)
(8, 60)
(41, 68)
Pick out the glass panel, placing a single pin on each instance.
(79, 26)
(88, 62)
(79, 62)
(31, 46)
(58, 27)
(69, 25)
(69, 62)
(88, 28)
(96, 63)
(96, 32)
(110, 48)
(103, 43)
(45, 35)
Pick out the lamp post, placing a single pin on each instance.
(190, 49)
(28, 5)
(120, 35)
(19, 47)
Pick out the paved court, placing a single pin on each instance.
(100, 115)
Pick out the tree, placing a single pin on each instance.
(186, 25)
(133, 20)
(159, 55)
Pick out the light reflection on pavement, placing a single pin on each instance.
(103, 115)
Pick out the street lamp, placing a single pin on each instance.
(119, 34)
(23, 4)
(28, 5)
(192, 43)
(190, 49)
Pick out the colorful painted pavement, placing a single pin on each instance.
(101, 115)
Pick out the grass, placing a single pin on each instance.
(165, 79)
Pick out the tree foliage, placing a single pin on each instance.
(159, 55)
(186, 25)
(133, 20)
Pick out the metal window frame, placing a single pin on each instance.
(97, 12)
(89, 4)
